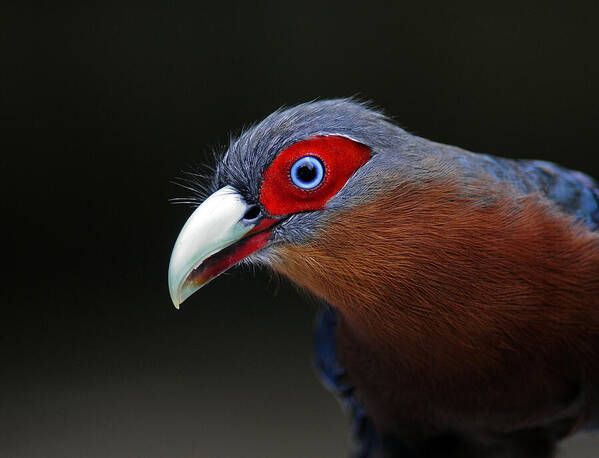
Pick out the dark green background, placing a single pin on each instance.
(102, 105)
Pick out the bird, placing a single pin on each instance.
(459, 290)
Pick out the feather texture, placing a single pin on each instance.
(464, 287)
(490, 314)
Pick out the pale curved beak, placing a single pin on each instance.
(201, 251)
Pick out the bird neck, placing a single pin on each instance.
(427, 273)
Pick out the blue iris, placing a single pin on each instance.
(307, 172)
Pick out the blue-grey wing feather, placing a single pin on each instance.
(573, 192)
(334, 377)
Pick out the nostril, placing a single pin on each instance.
(252, 213)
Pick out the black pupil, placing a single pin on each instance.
(306, 172)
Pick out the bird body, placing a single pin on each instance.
(464, 287)
(474, 298)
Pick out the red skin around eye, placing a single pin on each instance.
(341, 158)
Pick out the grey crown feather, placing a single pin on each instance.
(394, 150)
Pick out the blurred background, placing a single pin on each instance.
(104, 104)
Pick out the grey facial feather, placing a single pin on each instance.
(249, 155)
(396, 155)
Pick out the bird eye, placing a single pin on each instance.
(307, 172)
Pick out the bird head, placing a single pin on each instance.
(279, 184)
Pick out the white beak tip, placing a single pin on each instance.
(176, 302)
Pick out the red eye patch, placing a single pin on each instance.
(340, 156)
